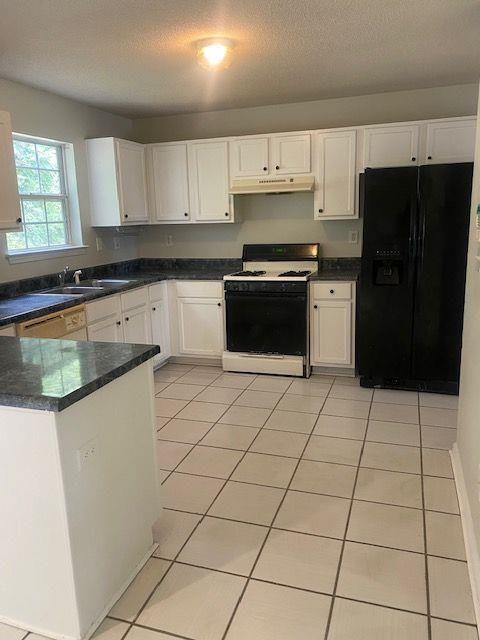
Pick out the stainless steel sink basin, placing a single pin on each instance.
(72, 291)
(106, 282)
(87, 286)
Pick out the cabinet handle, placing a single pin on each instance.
(219, 304)
(315, 306)
(413, 159)
(18, 220)
(332, 290)
(277, 167)
(186, 214)
(429, 157)
(118, 323)
(320, 211)
(226, 214)
(265, 168)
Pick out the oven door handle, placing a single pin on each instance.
(273, 356)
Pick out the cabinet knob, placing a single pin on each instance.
(18, 220)
(265, 168)
(315, 306)
(126, 215)
(320, 211)
(127, 319)
(154, 308)
(429, 157)
(413, 159)
(332, 290)
(118, 323)
(186, 214)
(226, 214)
(277, 167)
(219, 304)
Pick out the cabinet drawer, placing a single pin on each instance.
(332, 291)
(200, 289)
(103, 308)
(134, 298)
(157, 291)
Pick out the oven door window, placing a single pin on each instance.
(267, 323)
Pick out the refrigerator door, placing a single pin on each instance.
(385, 316)
(445, 192)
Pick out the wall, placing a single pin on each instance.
(286, 218)
(43, 114)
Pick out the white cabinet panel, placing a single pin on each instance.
(332, 332)
(335, 154)
(395, 146)
(208, 171)
(249, 157)
(134, 298)
(450, 141)
(10, 216)
(160, 329)
(137, 326)
(132, 178)
(200, 326)
(107, 330)
(168, 178)
(290, 153)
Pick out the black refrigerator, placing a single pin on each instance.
(412, 282)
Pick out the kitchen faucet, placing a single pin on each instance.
(63, 275)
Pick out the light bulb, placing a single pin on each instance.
(214, 54)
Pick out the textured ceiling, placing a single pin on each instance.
(135, 57)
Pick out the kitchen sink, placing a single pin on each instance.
(106, 283)
(87, 286)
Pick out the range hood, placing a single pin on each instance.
(280, 184)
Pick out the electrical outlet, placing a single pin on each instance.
(116, 242)
(168, 241)
(353, 236)
(87, 454)
(99, 242)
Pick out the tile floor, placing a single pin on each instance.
(299, 510)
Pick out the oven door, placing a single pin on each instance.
(266, 322)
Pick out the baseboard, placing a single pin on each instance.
(346, 372)
(199, 360)
(472, 551)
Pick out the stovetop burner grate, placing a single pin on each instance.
(250, 274)
(291, 274)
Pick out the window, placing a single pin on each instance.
(43, 193)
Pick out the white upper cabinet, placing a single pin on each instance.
(290, 153)
(10, 216)
(118, 182)
(249, 157)
(208, 181)
(168, 182)
(450, 141)
(335, 175)
(391, 146)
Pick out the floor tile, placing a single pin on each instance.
(440, 494)
(391, 457)
(160, 422)
(224, 545)
(139, 633)
(445, 535)
(305, 404)
(383, 576)
(434, 417)
(181, 391)
(273, 612)
(169, 454)
(192, 602)
(393, 432)
(271, 383)
(346, 408)
(337, 450)
(389, 487)
(209, 461)
(438, 438)
(437, 463)
(262, 399)
(247, 502)
(360, 621)
(450, 593)
(208, 368)
(187, 431)
(344, 380)
(313, 513)
(8, 632)
(394, 412)
(443, 630)
(351, 392)
(438, 400)
(166, 377)
(162, 475)
(394, 396)
(173, 367)
(204, 411)
(274, 471)
(199, 377)
(159, 386)
(387, 526)
(233, 381)
(108, 630)
(230, 437)
(220, 395)
(245, 416)
(167, 408)
(172, 530)
(280, 443)
(299, 560)
(190, 493)
(309, 388)
(133, 599)
(341, 427)
(291, 421)
(324, 477)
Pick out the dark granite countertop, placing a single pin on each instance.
(336, 274)
(51, 375)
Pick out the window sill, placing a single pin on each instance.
(15, 257)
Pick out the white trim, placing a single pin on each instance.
(471, 548)
(47, 253)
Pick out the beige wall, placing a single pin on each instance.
(43, 114)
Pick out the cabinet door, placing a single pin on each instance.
(132, 179)
(137, 326)
(10, 217)
(107, 330)
(208, 172)
(449, 142)
(249, 157)
(169, 182)
(290, 154)
(395, 146)
(335, 174)
(200, 326)
(332, 332)
(160, 329)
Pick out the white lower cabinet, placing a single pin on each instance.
(136, 326)
(106, 330)
(160, 321)
(332, 318)
(200, 326)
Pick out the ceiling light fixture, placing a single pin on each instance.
(214, 53)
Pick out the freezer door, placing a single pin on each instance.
(445, 193)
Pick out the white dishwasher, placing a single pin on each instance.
(69, 324)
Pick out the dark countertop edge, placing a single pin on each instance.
(50, 403)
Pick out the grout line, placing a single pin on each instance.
(425, 543)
